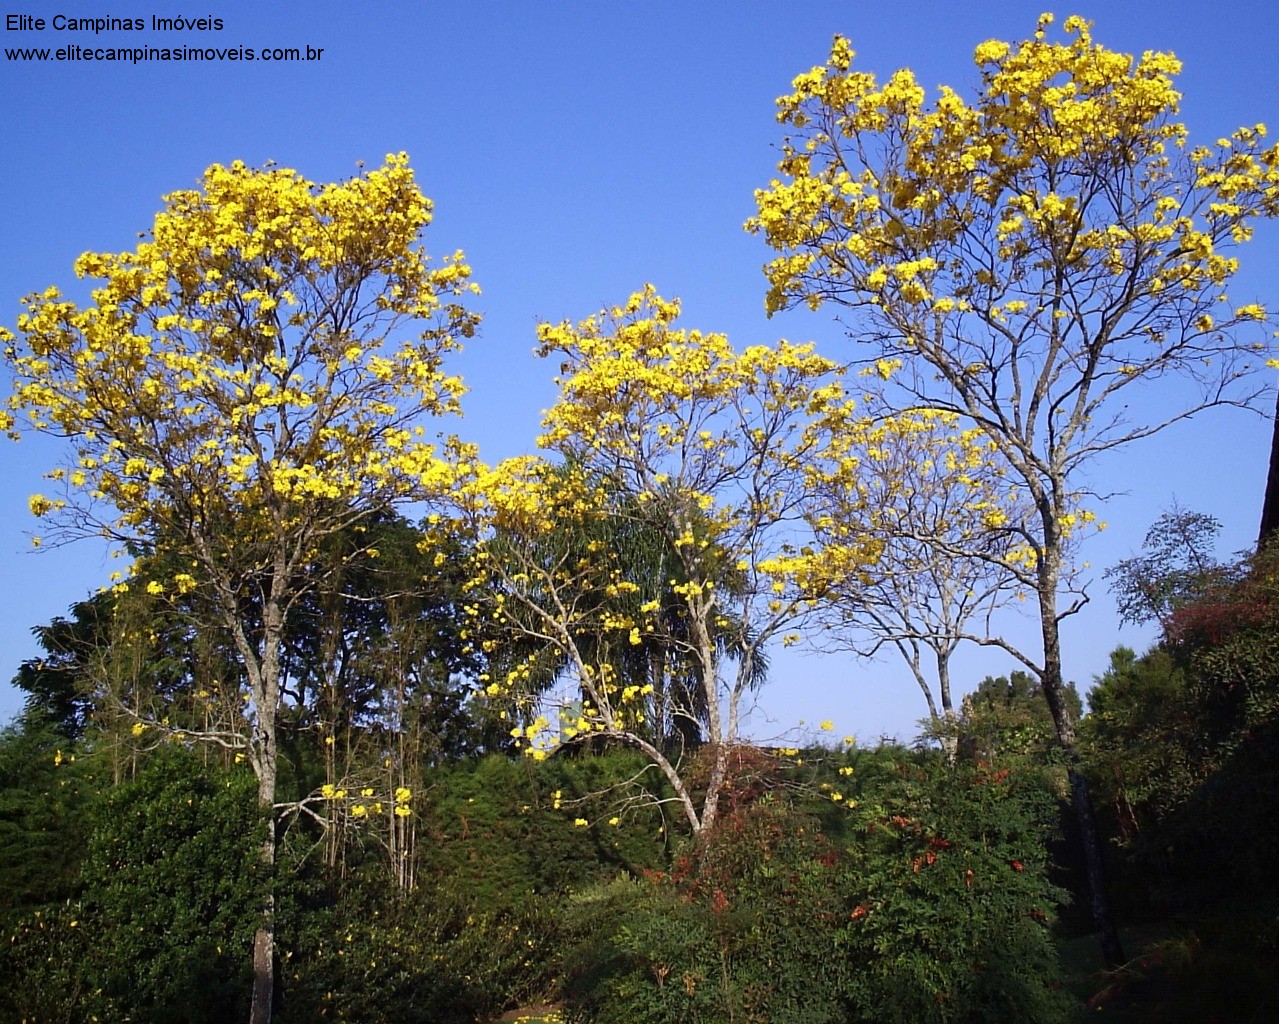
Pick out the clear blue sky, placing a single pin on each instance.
(574, 150)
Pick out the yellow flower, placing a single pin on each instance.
(39, 504)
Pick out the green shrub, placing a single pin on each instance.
(47, 970)
(949, 900)
(168, 902)
(497, 838)
(172, 890)
(425, 958)
(740, 929)
(44, 799)
(922, 896)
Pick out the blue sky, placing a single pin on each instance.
(574, 150)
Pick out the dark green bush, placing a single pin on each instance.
(949, 902)
(43, 819)
(923, 897)
(169, 897)
(740, 929)
(172, 889)
(47, 970)
(497, 838)
(424, 958)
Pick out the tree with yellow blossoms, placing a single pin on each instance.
(248, 381)
(952, 529)
(1042, 254)
(705, 446)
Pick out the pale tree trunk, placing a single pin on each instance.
(708, 666)
(266, 760)
(710, 808)
(949, 733)
(264, 937)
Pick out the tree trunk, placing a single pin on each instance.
(266, 763)
(264, 938)
(1054, 692)
(948, 719)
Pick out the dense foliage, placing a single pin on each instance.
(919, 895)
(870, 885)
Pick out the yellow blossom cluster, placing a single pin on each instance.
(953, 208)
(366, 803)
(661, 519)
(268, 344)
(917, 474)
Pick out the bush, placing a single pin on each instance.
(44, 799)
(173, 890)
(425, 958)
(926, 901)
(47, 970)
(949, 900)
(169, 900)
(497, 838)
(740, 929)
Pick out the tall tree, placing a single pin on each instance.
(248, 381)
(1038, 258)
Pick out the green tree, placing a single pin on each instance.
(54, 682)
(1178, 564)
(1007, 716)
(1135, 738)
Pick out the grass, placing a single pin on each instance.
(1216, 970)
(532, 1015)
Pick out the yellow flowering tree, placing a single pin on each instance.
(246, 382)
(679, 434)
(955, 545)
(1042, 252)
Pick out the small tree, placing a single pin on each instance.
(245, 383)
(1178, 566)
(937, 497)
(704, 446)
(1038, 257)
